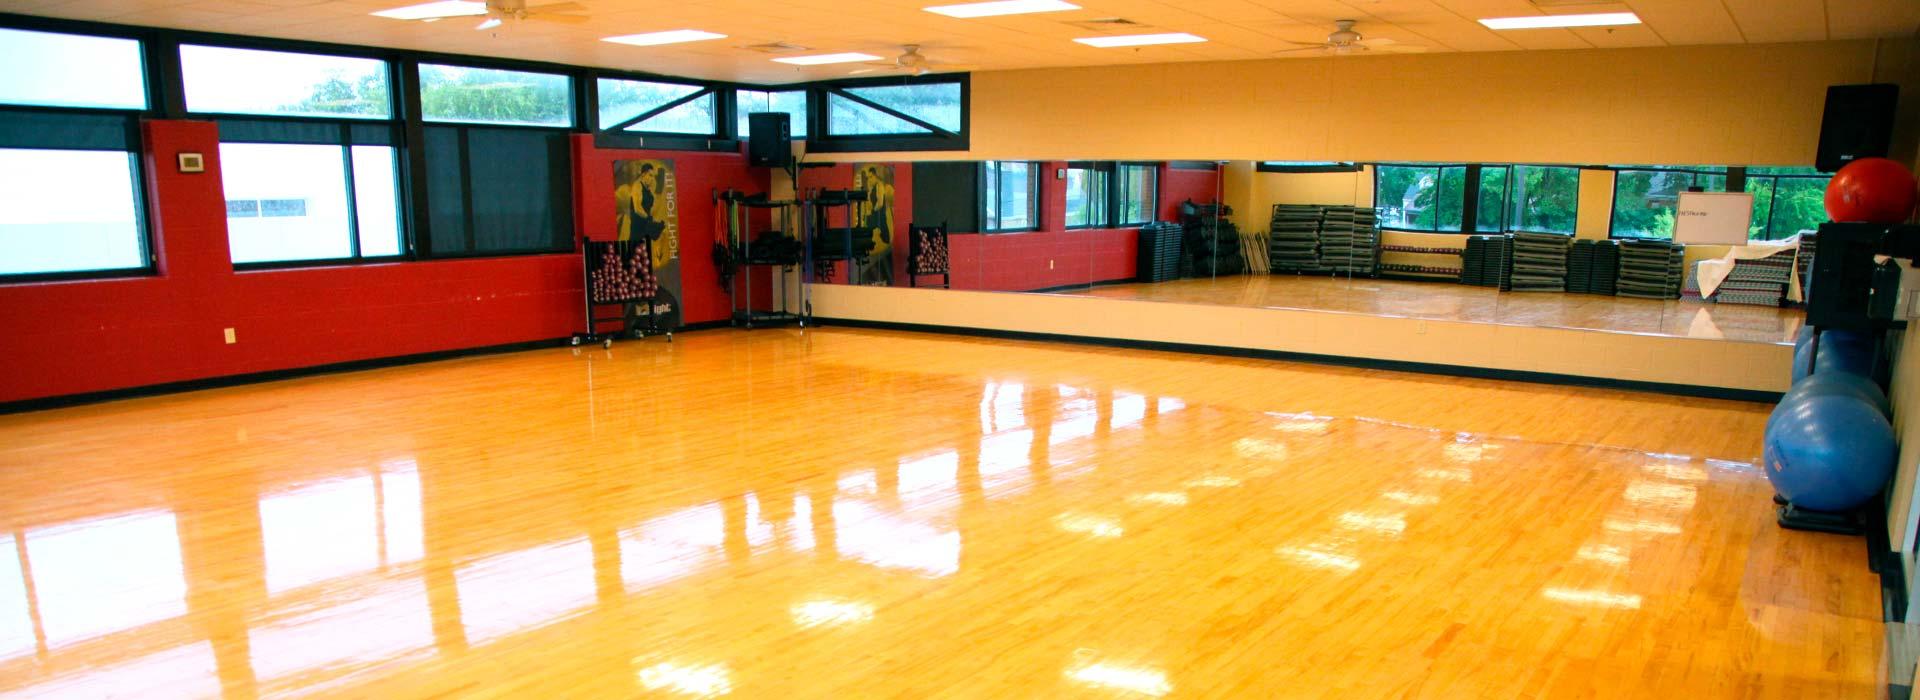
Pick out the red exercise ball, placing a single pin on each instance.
(1871, 190)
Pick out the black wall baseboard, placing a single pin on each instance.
(1691, 390)
(92, 397)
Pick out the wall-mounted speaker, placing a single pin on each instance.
(769, 136)
(1858, 123)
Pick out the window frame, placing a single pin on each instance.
(136, 149)
(404, 219)
(1034, 191)
(1118, 206)
(819, 103)
(1279, 166)
(1506, 209)
(722, 105)
(1735, 176)
(1773, 199)
(805, 118)
(1100, 189)
(1472, 175)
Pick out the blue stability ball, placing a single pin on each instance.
(1844, 383)
(1828, 452)
(1845, 351)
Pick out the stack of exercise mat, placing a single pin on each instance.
(1539, 262)
(1757, 281)
(1690, 290)
(1651, 269)
(1294, 243)
(1349, 239)
(1592, 266)
(1484, 262)
(1159, 256)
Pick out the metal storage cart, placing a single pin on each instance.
(618, 273)
(775, 249)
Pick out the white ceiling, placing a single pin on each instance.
(1237, 29)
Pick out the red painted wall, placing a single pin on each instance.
(1179, 185)
(698, 176)
(86, 336)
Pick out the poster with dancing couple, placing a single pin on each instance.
(644, 194)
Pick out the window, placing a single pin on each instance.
(478, 210)
(1543, 198)
(70, 176)
(1419, 197)
(467, 95)
(1010, 196)
(291, 202)
(890, 114)
(245, 81)
(71, 70)
(1087, 194)
(793, 102)
(1490, 212)
(1644, 198)
(64, 211)
(934, 103)
(668, 108)
(1137, 190)
(1786, 201)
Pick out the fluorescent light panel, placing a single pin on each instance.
(1002, 7)
(1602, 19)
(826, 58)
(436, 10)
(677, 36)
(1109, 42)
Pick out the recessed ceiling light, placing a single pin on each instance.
(826, 58)
(1002, 7)
(436, 10)
(1602, 19)
(1108, 42)
(677, 36)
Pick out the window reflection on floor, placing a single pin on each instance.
(102, 576)
(339, 528)
(374, 628)
(16, 622)
(508, 593)
(181, 672)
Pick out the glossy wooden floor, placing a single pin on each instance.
(1455, 302)
(849, 514)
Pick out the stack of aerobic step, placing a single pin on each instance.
(1484, 262)
(1539, 262)
(1294, 245)
(1650, 269)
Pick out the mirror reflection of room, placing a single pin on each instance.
(1576, 246)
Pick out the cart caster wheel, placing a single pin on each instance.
(669, 337)
(608, 343)
(576, 351)
(574, 341)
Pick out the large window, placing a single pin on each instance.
(1087, 195)
(666, 108)
(1419, 197)
(245, 81)
(320, 186)
(1441, 198)
(301, 202)
(792, 102)
(1137, 189)
(70, 70)
(1544, 198)
(70, 183)
(1644, 198)
(925, 114)
(467, 95)
(1786, 201)
(1010, 196)
(64, 211)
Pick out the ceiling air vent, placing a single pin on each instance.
(1582, 4)
(776, 47)
(1107, 24)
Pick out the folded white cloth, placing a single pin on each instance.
(1713, 272)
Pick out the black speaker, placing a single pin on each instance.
(1858, 123)
(768, 134)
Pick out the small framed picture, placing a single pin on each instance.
(193, 163)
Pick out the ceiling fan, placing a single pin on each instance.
(497, 12)
(909, 61)
(1344, 40)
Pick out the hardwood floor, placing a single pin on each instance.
(1454, 302)
(854, 514)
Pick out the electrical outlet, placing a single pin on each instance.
(1420, 327)
(1049, 264)
(230, 337)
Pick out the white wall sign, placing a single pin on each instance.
(1713, 218)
